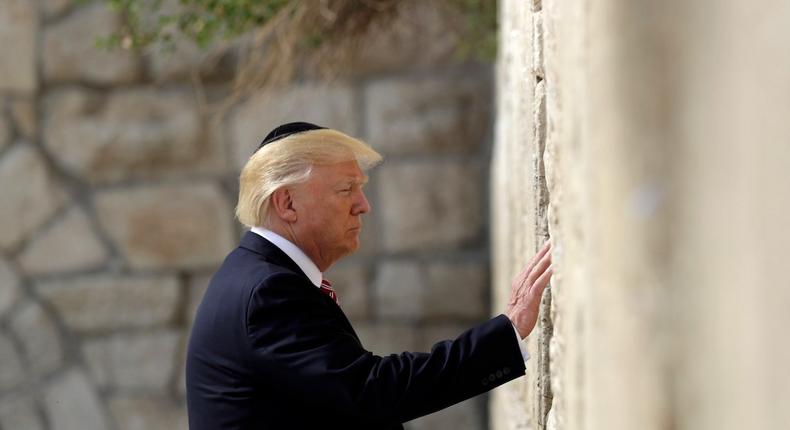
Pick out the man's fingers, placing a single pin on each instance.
(539, 268)
(543, 281)
(541, 253)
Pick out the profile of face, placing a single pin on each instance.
(329, 209)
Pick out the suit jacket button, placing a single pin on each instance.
(484, 381)
(506, 370)
(491, 377)
(498, 373)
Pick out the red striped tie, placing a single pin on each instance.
(326, 288)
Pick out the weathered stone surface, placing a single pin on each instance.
(40, 339)
(102, 303)
(181, 381)
(147, 413)
(438, 332)
(468, 415)
(351, 282)
(184, 226)
(185, 58)
(538, 69)
(5, 132)
(70, 53)
(443, 200)
(420, 35)
(54, 8)
(197, 287)
(30, 194)
(385, 338)
(181, 57)
(18, 27)
(19, 412)
(428, 115)
(11, 371)
(23, 112)
(71, 403)
(134, 361)
(431, 290)
(399, 287)
(456, 290)
(329, 106)
(9, 287)
(137, 133)
(68, 245)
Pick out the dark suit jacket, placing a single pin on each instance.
(268, 350)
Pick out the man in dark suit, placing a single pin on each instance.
(270, 346)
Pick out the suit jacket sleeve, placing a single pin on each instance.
(299, 343)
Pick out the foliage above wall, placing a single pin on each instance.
(327, 32)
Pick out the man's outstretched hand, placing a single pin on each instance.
(524, 304)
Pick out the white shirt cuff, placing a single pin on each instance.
(522, 343)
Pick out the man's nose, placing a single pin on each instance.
(361, 205)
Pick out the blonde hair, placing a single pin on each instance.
(289, 161)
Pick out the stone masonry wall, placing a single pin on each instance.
(650, 139)
(117, 195)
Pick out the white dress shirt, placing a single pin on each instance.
(314, 274)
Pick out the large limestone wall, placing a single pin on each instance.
(660, 131)
(117, 194)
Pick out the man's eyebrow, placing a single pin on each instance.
(357, 179)
(362, 180)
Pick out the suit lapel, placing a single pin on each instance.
(271, 253)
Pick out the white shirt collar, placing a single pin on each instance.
(297, 255)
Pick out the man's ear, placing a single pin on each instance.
(283, 204)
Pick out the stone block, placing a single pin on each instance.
(70, 244)
(20, 412)
(197, 287)
(181, 381)
(71, 403)
(430, 205)
(18, 27)
(351, 282)
(23, 112)
(70, 53)
(133, 361)
(399, 287)
(432, 333)
(147, 413)
(136, 133)
(184, 58)
(468, 415)
(385, 338)
(432, 291)
(169, 226)
(456, 290)
(10, 291)
(5, 132)
(419, 35)
(429, 114)
(40, 339)
(326, 105)
(106, 302)
(54, 8)
(11, 371)
(30, 194)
